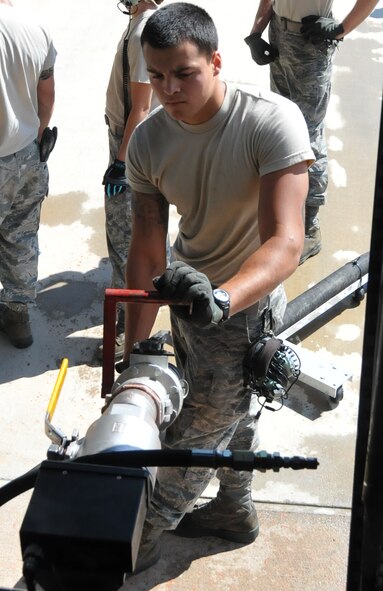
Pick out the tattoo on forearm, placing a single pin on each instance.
(151, 210)
(45, 74)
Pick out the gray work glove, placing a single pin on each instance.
(115, 180)
(319, 28)
(183, 284)
(262, 52)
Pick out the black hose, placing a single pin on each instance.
(324, 290)
(238, 460)
(19, 485)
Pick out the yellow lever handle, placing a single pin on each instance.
(57, 389)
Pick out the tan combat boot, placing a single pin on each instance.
(313, 239)
(229, 516)
(14, 322)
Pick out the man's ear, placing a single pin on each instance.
(216, 61)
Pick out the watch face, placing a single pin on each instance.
(221, 296)
(222, 300)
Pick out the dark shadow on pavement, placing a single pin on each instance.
(309, 402)
(177, 554)
(67, 303)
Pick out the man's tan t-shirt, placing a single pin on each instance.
(295, 10)
(211, 173)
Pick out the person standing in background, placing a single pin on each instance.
(128, 102)
(303, 37)
(27, 95)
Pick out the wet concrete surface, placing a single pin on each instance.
(304, 515)
(295, 551)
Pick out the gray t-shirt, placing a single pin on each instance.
(137, 72)
(211, 173)
(26, 50)
(295, 10)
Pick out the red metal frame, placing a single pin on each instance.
(112, 297)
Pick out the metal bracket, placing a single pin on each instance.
(323, 377)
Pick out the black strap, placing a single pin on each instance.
(126, 75)
(268, 323)
(258, 357)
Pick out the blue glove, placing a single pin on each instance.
(115, 180)
(182, 283)
(262, 52)
(319, 28)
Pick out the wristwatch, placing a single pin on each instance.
(222, 299)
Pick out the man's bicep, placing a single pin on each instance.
(141, 96)
(281, 202)
(150, 215)
(48, 73)
(46, 90)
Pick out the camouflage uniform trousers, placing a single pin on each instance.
(118, 225)
(118, 219)
(218, 413)
(302, 73)
(23, 187)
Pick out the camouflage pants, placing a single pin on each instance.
(217, 414)
(118, 225)
(302, 73)
(23, 186)
(118, 220)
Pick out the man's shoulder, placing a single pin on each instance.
(263, 96)
(261, 104)
(138, 23)
(23, 28)
(153, 122)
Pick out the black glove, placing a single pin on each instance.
(47, 143)
(318, 28)
(115, 180)
(121, 366)
(262, 52)
(182, 283)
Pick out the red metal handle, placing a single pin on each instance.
(135, 296)
(112, 297)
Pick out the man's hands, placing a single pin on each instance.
(115, 180)
(262, 52)
(183, 284)
(318, 28)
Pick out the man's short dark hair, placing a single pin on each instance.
(177, 23)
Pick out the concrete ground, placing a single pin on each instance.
(304, 516)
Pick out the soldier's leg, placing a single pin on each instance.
(231, 514)
(211, 360)
(118, 222)
(24, 182)
(118, 229)
(303, 74)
